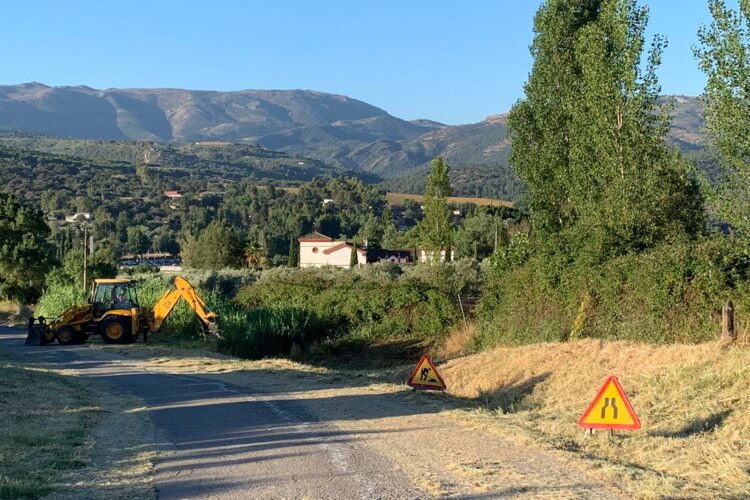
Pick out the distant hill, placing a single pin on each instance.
(344, 133)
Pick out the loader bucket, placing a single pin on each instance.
(38, 332)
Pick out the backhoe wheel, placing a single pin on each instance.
(116, 330)
(67, 335)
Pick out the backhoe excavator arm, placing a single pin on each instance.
(182, 290)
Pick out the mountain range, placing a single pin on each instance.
(343, 132)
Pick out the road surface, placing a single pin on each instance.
(280, 434)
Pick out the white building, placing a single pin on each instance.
(431, 256)
(317, 250)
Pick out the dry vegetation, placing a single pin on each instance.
(12, 313)
(692, 400)
(61, 439)
(400, 199)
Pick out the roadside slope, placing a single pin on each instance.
(692, 400)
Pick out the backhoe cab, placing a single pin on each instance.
(115, 314)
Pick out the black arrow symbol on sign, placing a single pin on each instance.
(609, 402)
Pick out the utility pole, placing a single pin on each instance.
(85, 254)
(495, 234)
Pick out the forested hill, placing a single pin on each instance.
(32, 168)
(344, 133)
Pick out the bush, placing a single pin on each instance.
(374, 302)
(58, 298)
(258, 333)
(671, 293)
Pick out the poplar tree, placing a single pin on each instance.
(293, 260)
(353, 257)
(435, 228)
(590, 136)
(724, 56)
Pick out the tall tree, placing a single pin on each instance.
(354, 257)
(216, 247)
(540, 125)
(435, 228)
(724, 55)
(293, 260)
(589, 139)
(138, 240)
(25, 254)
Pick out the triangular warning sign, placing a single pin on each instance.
(610, 409)
(426, 376)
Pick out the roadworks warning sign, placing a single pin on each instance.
(610, 409)
(425, 376)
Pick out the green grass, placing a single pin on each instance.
(45, 417)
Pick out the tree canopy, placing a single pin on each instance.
(589, 139)
(435, 228)
(25, 253)
(724, 56)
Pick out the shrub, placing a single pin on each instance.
(262, 332)
(375, 302)
(671, 293)
(57, 298)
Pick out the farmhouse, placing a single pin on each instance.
(317, 250)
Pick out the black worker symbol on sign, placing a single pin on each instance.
(610, 403)
(423, 373)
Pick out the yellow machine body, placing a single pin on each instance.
(114, 313)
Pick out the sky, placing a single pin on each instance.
(452, 61)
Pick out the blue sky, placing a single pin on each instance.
(452, 61)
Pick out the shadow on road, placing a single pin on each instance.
(209, 428)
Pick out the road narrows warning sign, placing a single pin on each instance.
(425, 376)
(610, 409)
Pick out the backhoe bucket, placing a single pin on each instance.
(38, 332)
(210, 327)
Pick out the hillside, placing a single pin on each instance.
(220, 160)
(344, 133)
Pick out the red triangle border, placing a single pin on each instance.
(434, 369)
(628, 407)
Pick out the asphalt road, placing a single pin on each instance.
(222, 441)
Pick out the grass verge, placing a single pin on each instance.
(692, 400)
(62, 438)
(45, 418)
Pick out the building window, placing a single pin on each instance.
(315, 249)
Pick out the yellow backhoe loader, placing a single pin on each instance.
(114, 313)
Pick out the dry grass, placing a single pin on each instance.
(400, 199)
(693, 402)
(456, 343)
(13, 313)
(11, 308)
(60, 439)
